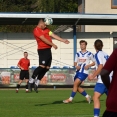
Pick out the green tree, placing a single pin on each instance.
(17, 6)
(57, 6)
(48, 6)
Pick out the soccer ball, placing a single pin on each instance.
(48, 21)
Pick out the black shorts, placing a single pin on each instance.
(45, 57)
(24, 74)
(109, 114)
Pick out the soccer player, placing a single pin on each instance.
(43, 37)
(100, 59)
(23, 64)
(82, 64)
(111, 102)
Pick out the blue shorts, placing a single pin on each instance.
(100, 88)
(81, 76)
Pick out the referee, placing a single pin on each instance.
(23, 64)
(43, 37)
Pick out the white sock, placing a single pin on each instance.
(71, 98)
(31, 80)
(17, 89)
(87, 96)
(26, 89)
(37, 82)
(96, 116)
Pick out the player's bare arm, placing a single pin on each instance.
(48, 42)
(97, 72)
(89, 65)
(20, 67)
(76, 66)
(59, 38)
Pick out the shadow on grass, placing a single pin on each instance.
(56, 102)
(61, 102)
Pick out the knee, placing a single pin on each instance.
(76, 86)
(78, 89)
(47, 67)
(42, 66)
(95, 98)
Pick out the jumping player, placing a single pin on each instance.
(23, 64)
(43, 37)
(82, 64)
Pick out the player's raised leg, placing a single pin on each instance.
(36, 72)
(84, 93)
(73, 93)
(37, 81)
(45, 62)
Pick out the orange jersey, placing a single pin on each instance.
(37, 32)
(24, 63)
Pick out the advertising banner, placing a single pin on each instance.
(10, 77)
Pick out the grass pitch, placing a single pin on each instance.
(45, 103)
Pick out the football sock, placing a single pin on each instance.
(84, 94)
(72, 95)
(18, 86)
(40, 76)
(37, 71)
(37, 82)
(26, 86)
(26, 89)
(31, 80)
(96, 112)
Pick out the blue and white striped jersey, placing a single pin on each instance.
(100, 58)
(84, 59)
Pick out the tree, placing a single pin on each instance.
(17, 6)
(57, 6)
(48, 6)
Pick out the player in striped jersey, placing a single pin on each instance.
(100, 59)
(82, 64)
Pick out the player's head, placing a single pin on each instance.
(83, 44)
(41, 23)
(98, 44)
(25, 54)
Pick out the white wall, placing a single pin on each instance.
(90, 37)
(12, 46)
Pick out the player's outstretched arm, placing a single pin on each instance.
(59, 38)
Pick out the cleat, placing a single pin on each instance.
(67, 101)
(16, 91)
(30, 86)
(35, 88)
(27, 91)
(89, 99)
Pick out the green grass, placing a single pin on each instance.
(45, 103)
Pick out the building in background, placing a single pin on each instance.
(100, 7)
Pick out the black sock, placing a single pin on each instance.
(26, 86)
(40, 76)
(37, 71)
(18, 86)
